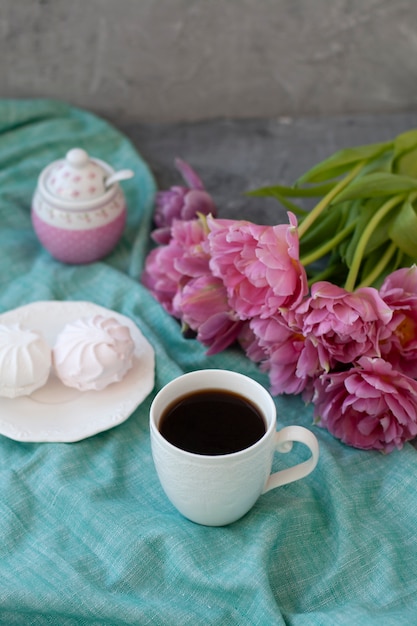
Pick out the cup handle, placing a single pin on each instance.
(284, 440)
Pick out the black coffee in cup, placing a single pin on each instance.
(212, 422)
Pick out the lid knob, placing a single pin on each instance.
(77, 157)
(77, 178)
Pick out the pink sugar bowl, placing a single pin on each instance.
(78, 208)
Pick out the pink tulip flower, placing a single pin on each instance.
(250, 344)
(168, 268)
(343, 325)
(161, 277)
(259, 265)
(202, 305)
(370, 406)
(179, 202)
(281, 348)
(399, 291)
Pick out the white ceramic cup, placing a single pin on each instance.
(218, 490)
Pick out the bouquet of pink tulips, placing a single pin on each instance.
(326, 304)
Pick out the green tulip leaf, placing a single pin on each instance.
(403, 230)
(406, 164)
(334, 271)
(405, 142)
(329, 173)
(405, 154)
(377, 185)
(342, 161)
(279, 191)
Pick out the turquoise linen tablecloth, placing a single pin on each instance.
(87, 536)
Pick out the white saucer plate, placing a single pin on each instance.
(56, 413)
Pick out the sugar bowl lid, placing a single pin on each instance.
(79, 178)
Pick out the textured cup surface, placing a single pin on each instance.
(218, 490)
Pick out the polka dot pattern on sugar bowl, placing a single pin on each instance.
(77, 177)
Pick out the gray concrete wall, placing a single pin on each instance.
(176, 60)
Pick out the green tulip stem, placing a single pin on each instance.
(380, 266)
(361, 246)
(328, 199)
(329, 245)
